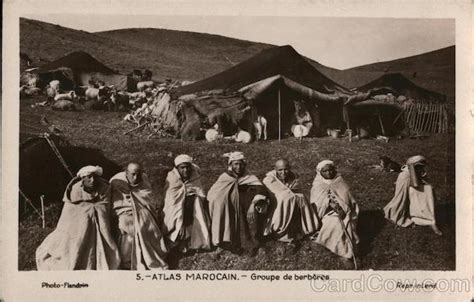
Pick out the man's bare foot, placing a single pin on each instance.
(436, 230)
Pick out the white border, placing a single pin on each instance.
(17, 286)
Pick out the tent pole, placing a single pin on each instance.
(42, 211)
(279, 115)
(345, 111)
(381, 124)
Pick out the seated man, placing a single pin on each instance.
(82, 239)
(238, 205)
(291, 217)
(186, 218)
(413, 202)
(337, 210)
(141, 242)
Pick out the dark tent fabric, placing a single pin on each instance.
(403, 86)
(77, 68)
(378, 117)
(283, 60)
(278, 73)
(41, 172)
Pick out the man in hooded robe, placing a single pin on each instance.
(186, 218)
(292, 217)
(336, 209)
(83, 238)
(413, 202)
(238, 206)
(142, 245)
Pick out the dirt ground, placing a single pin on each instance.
(383, 246)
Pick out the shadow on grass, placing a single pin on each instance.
(370, 223)
(446, 214)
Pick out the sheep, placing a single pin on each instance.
(70, 96)
(29, 91)
(55, 84)
(141, 86)
(64, 105)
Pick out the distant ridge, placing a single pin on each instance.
(195, 56)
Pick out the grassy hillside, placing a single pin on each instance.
(383, 246)
(193, 56)
(433, 70)
(168, 53)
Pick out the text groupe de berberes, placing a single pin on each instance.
(296, 277)
(64, 285)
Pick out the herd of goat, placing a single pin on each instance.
(96, 96)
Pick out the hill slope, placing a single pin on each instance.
(194, 56)
(168, 53)
(433, 70)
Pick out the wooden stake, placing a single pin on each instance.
(381, 124)
(415, 117)
(398, 116)
(42, 211)
(439, 120)
(136, 128)
(436, 128)
(279, 115)
(429, 126)
(421, 116)
(408, 117)
(446, 119)
(415, 114)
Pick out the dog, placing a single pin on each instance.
(389, 165)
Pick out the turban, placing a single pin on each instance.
(324, 163)
(182, 158)
(88, 170)
(416, 160)
(236, 155)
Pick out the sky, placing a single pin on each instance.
(335, 42)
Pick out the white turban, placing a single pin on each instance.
(324, 163)
(182, 158)
(417, 159)
(88, 170)
(236, 155)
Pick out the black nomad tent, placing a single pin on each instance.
(402, 86)
(77, 69)
(276, 83)
(402, 104)
(43, 169)
(47, 162)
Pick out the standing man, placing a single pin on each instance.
(291, 217)
(238, 205)
(186, 218)
(140, 241)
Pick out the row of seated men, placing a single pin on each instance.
(116, 224)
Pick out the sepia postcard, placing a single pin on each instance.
(236, 150)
